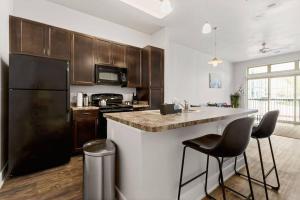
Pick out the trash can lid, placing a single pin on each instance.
(99, 148)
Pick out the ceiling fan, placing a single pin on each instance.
(266, 49)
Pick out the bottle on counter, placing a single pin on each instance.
(85, 100)
(134, 99)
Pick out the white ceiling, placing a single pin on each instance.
(242, 24)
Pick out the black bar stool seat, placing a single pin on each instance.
(204, 144)
(231, 143)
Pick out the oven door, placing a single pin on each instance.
(107, 75)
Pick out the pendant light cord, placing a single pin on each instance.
(215, 43)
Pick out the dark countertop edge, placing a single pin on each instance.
(158, 129)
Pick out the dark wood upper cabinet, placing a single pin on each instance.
(118, 55)
(156, 98)
(134, 67)
(157, 70)
(83, 51)
(59, 43)
(152, 77)
(14, 34)
(102, 52)
(82, 62)
(33, 38)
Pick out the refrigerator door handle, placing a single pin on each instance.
(68, 88)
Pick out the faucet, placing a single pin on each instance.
(185, 106)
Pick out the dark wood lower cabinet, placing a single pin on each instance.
(85, 128)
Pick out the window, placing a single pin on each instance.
(282, 95)
(269, 89)
(258, 95)
(283, 67)
(298, 87)
(282, 87)
(298, 98)
(258, 70)
(258, 89)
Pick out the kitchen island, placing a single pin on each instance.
(150, 151)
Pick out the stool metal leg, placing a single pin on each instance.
(276, 173)
(235, 170)
(262, 169)
(276, 188)
(192, 179)
(206, 176)
(222, 181)
(248, 174)
(248, 177)
(181, 173)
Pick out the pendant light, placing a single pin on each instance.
(166, 6)
(215, 61)
(206, 29)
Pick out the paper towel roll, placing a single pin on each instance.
(79, 99)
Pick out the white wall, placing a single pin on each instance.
(4, 60)
(240, 69)
(187, 76)
(60, 16)
(187, 73)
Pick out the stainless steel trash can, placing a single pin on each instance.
(99, 170)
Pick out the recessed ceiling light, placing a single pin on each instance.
(155, 8)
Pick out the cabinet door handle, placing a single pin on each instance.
(86, 113)
(44, 51)
(48, 52)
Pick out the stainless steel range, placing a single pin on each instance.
(113, 104)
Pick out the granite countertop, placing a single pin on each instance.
(153, 121)
(85, 108)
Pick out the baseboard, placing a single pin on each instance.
(3, 175)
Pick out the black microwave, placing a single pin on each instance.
(108, 75)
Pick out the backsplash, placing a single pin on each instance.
(89, 90)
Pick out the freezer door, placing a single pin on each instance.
(39, 130)
(30, 72)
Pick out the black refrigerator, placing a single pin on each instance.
(39, 118)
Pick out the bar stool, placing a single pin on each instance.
(264, 130)
(232, 143)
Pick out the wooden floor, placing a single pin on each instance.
(61, 183)
(287, 130)
(287, 155)
(65, 182)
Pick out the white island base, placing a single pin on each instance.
(148, 163)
